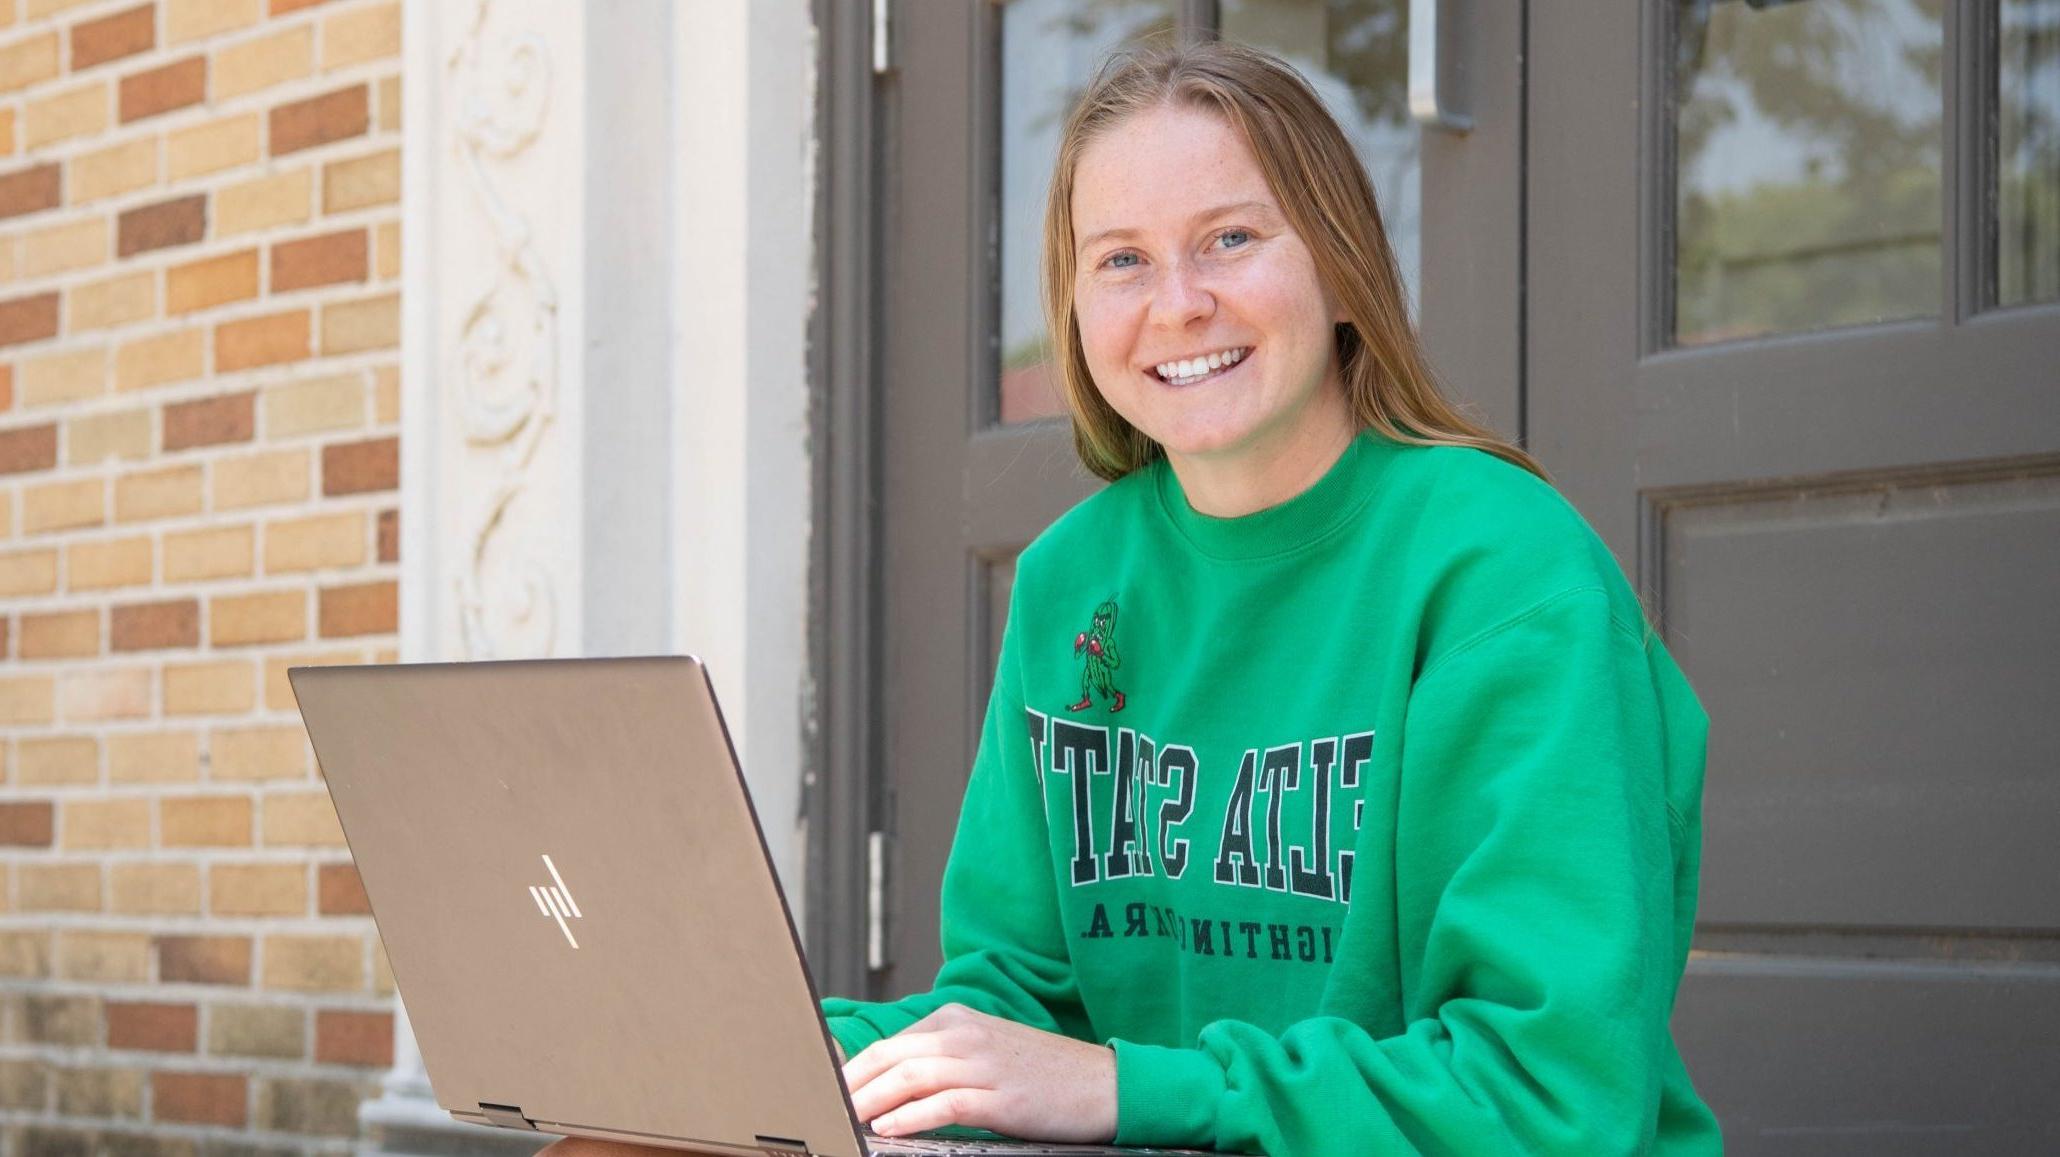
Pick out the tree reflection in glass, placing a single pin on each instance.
(1807, 180)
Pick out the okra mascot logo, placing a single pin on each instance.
(1097, 648)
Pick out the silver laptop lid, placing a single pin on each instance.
(577, 901)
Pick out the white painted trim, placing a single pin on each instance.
(419, 129)
(743, 254)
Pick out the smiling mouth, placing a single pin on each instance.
(1188, 371)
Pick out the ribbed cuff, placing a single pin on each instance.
(852, 1033)
(1166, 1096)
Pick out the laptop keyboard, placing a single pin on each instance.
(970, 1147)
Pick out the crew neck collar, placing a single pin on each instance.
(1327, 504)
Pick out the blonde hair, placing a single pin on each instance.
(1328, 200)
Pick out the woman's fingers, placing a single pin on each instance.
(880, 1056)
(910, 1080)
(945, 1107)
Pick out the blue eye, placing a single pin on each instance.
(1244, 235)
(1113, 258)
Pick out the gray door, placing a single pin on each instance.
(1793, 348)
(975, 459)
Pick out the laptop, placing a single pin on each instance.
(574, 892)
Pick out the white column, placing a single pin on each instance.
(607, 268)
(743, 161)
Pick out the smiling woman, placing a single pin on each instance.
(1372, 821)
(1271, 218)
(1200, 313)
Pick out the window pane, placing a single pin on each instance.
(1807, 144)
(1356, 55)
(1049, 49)
(2027, 179)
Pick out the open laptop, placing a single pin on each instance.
(574, 892)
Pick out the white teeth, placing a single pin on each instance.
(1199, 367)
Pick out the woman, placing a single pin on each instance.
(1333, 795)
(1384, 836)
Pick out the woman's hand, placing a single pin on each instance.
(962, 1067)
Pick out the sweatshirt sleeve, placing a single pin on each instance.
(1004, 948)
(1535, 907)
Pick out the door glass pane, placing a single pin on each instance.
(1049, 49)
(1356, 55)
(2027, 180)
(1807, 181)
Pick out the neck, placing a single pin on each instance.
(1255, 479)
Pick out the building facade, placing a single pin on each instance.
(374, 330)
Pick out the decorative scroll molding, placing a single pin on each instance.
(507, 347)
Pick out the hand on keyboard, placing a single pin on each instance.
(959, 1066)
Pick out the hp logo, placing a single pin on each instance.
(556, 901)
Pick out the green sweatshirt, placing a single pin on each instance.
(1366, 823)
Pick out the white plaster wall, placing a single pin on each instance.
(744, 98)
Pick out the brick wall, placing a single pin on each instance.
(199, 252)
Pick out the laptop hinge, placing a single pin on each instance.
(506, 1116)
(781, 1146)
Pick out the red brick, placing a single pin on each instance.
(60, 634)
(113, 37)
(363, 609)
(389, 536)
(30, 318)
(326, 260)
(26, 825)
(164, 1028)
(261, 341)
(318, 120)
(353, 1038)
(203, 959)
(28, 448)
(358, 467)
(200, 1098)
(151, 626)
(180, 221)
(342, 893)
(31, 190)
(160, 90)
(210, 421)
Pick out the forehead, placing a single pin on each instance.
(1157, 168)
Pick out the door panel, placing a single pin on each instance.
(1896, 745)
(1843, 519)
(1968, 1053)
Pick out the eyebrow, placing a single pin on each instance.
(1204, 215)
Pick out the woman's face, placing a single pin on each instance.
(1203, 320)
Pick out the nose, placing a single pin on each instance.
(1181, 296)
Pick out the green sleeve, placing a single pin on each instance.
(1004, 947)
(1535, 850)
